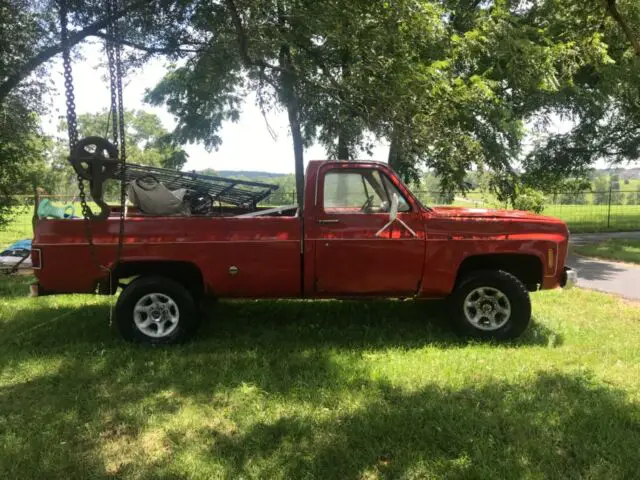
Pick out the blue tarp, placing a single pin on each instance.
(20, 245)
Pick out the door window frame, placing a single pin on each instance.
(403, 192)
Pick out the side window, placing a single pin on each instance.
(349, 191)
(359, 191)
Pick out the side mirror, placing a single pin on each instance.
(393, 216)
(393, 211)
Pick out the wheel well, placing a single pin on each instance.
(527, 268)
(185, 273)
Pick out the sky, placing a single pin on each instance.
(246, 145)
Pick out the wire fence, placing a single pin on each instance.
(587, 211)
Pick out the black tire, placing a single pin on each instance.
(140, 290)
(502, 326)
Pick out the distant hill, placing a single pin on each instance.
(250, 174)
(624, 173)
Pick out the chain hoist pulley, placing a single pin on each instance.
(96, 159)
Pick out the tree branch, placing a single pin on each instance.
(612, 9)
(48, 53)
(139, 46)
(243, 42)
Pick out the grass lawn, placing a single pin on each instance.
(594, 218)
(295, 389)
(623, 250)
(19, 228)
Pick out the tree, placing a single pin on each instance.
(617, 198)
(257, 45)
(147, 143)
(633, 198)
(449, 84)
(30, 39)
(603, 98)
(22, 144)
(601, 190)
(33, 38)
(22, 155)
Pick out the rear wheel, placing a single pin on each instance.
(491, 304)
(156, 310)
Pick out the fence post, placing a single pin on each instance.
(609, 210)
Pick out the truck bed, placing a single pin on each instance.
(266, 250)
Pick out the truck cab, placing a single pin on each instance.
(361, 233)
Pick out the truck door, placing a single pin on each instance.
(357, 250)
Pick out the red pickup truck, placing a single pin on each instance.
(360, 234)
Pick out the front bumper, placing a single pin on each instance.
(569, 278)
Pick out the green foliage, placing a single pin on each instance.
(22, 145)
(603, 95)
(451, 85)
(435, 195)
(601, 189)
(22, 154)
(31, 34)
(633, 198)
(147, 143)
(529, 200)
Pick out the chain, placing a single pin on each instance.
(114, 48)
(123, 144)
(72, 126)
(111, 60)
(72, 121)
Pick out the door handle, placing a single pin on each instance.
(324, 221)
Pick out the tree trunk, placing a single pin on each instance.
(298, 151)
(343, 136)
(343, 146)
(395, 153)
(612, 9)
(289, 96)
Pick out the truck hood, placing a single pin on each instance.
(466, 212)
(490, 221)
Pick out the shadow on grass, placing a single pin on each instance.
(90, 398)
(14, 286)
(290, 324)
(73, 422)
(557, 427)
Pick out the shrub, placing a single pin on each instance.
(530, 200)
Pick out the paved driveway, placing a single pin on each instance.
(619, 278)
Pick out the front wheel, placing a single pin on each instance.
(491, 304)
(156, 310)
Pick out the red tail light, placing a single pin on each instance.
(36, 258)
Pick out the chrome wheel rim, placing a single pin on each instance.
(156, 315)
(487, 308)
